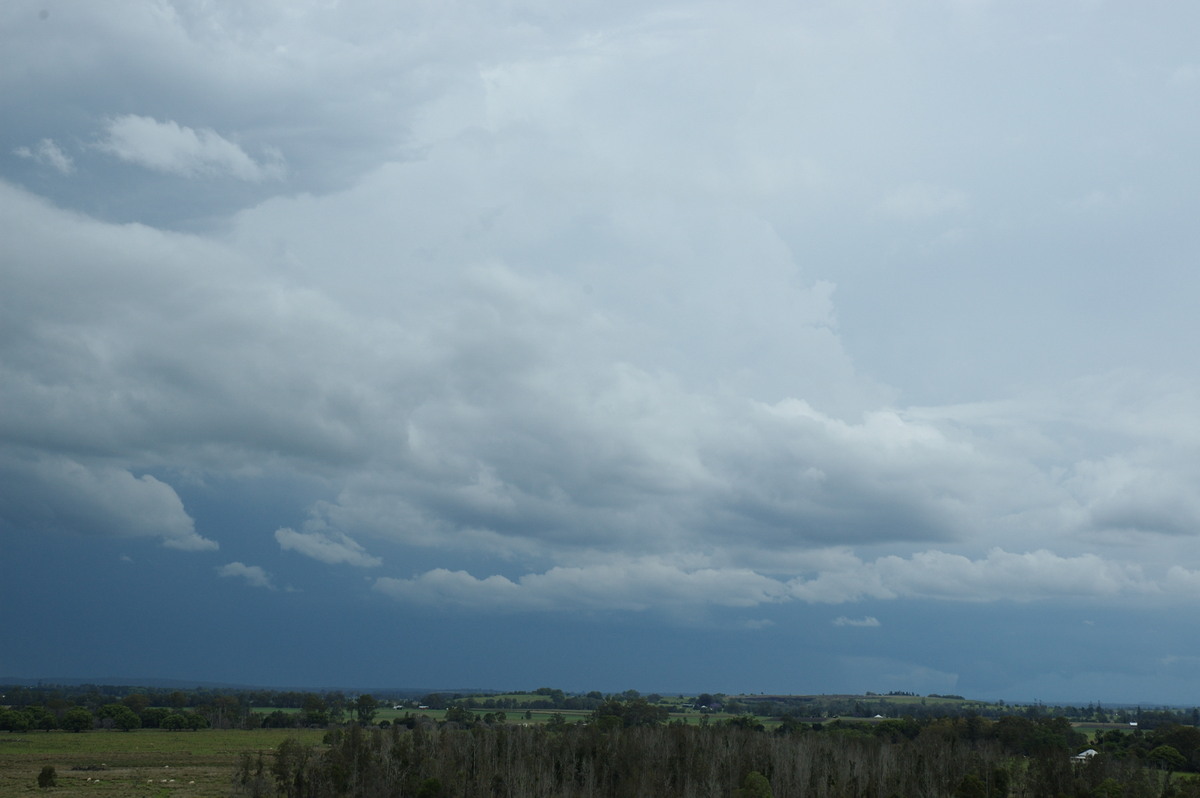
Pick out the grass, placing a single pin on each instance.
(147, 762)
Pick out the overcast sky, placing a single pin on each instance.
(677, 346)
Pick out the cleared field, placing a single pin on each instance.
(147, 762)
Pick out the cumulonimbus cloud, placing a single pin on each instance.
(498, 416)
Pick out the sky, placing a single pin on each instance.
(785, 347)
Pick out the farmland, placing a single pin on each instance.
(148, 762)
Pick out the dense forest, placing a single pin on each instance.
(957, 758)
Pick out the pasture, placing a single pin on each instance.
(147, 762)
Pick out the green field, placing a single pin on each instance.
(147, 762)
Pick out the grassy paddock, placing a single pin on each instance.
(147, 762)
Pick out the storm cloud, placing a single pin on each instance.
(668, 310)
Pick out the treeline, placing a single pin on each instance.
(85, 707)
(956, 758)
(93, 695)
(541, 698)
(115, 715)
(872, 704)
(24, 708)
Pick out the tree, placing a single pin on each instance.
(136, 701)
(251, 776)
(279, 720)
(971, 787)
(119, 716)
(225, 711)
(430, 788)
(314, 712)
(366, 706)
(336, 702)
(1166, 757)
(15, 721)
(638, 712)
(290, 767)
(77, 720)
(434, 701)
(152, 717)
(460, 714)
(173, 722)
(755, 785)
(127, 721)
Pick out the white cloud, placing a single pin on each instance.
(1120, 495)
(625, 584)
(48, 153)
(254, 575)
(637, 585)
(177, 149)
(331, 547)
(867, 621)
(1000, 576)
(1182, 582)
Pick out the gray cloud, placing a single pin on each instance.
(610, 299)
(482, 415)
(59, 493)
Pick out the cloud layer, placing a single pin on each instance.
(612, 308)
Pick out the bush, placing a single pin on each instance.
(48, 777)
